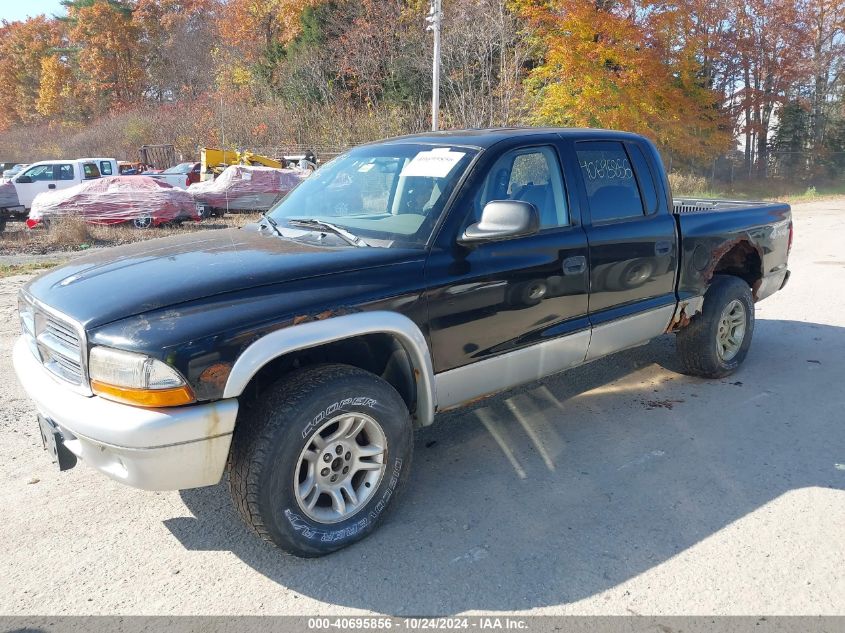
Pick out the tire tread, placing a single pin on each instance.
(249, 455)
(695, 348)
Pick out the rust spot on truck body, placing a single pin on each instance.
(216, 375)
(321, 316)
(733, 257)
(681, 321)
(717, 255)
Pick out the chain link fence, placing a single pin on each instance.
(793, 167)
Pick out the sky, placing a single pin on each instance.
(21, 9)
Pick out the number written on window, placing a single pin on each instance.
(609, 179)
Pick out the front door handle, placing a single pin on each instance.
(662, 248)
(51, 186)
(574, 265)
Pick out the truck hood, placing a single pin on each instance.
(128, 280)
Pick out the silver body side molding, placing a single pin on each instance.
(316, 333)
(464, 384)
(457, 386)
(629, 331)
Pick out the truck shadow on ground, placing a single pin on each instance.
(567, 487)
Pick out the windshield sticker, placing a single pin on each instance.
(433, 164)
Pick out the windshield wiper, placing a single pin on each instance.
(349, 237)
(273, 224)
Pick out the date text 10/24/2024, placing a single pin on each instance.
(481, 623)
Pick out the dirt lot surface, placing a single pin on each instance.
(621, 487)
(72, 236)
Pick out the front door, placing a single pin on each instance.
(35, 180)
(45, 178)
(510, 311)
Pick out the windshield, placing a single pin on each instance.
(383, 193)
(181, 168)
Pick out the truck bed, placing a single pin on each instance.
(709, 229)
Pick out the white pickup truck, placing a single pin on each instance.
(49, 175)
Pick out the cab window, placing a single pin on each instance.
(90, 170)
(105, 168)
(645, 177)
(39, 173)
(64, 172)
(609, 179)
(530, 175)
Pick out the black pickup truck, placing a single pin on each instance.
(403, 278)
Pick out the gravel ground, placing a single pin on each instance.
(620, 487)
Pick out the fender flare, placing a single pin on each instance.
(315, 333)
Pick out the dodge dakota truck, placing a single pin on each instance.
(404, 278)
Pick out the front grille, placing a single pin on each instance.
(58, 343)
(62, 331)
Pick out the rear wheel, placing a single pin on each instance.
(316, 463)
(717, 340)
(143, 221)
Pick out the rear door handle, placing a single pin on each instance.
(51, 186)
(662, 248)
(574, 265)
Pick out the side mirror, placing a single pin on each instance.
(23, 180)
(501, 220)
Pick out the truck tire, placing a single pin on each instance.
(716, 341)
(317, 461)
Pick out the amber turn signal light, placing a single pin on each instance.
(144, 397)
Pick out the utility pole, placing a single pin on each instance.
(434, 18)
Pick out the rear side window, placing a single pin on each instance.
(609, 179)
(90, 170)
(64, 172)
(645, 178)
(105, 168)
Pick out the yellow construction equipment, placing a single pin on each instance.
(215, 160)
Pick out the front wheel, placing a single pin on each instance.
(316, 463)
(716, 341)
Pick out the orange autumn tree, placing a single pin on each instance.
(257, 32)
(23, 45)
(600, 67)
(108, 56)
(55, 91)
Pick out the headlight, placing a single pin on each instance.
(27, 315)
(136, 379)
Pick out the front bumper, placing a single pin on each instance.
(153, 449)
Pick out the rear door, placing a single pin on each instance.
(632, 244)
(66, 175)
